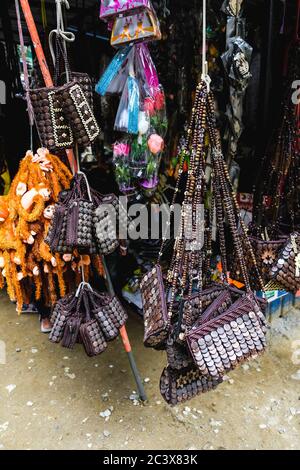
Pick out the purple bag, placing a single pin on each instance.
(111, 8)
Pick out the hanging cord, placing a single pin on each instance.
(65, 36)
(26, 74)
(205, 77)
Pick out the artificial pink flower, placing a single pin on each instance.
(156, 144)
(121, 149)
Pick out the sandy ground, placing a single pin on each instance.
(51, 398)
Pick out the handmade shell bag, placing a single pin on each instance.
(221, 341)
(286, 270)
(72, 226)
(178, 386)
(180, 382)
(109, 313)
(266, 253)
(106, 228)
(183, 310)
(63, 114)
(68, 307)
(90, 332)
(56, 236)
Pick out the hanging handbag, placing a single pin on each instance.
(156, 319)
(90, 332)
(266, 253)
(138, 27)
(286, 271)
(54, 130)
(109, 313)
(222, 342)
(70, 307)
(178, 386)
(111, 8)
(60, 306)
(72, 224)
(78, 113)
(63, 114)
(105, 222)
(111, 223)
(71, 331)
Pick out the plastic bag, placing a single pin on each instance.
(127, 119)
(114, 77)
(121, 152)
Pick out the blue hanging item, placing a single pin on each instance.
(133, 105)
(112, 70)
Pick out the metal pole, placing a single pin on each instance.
(125, 339)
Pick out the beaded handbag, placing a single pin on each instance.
(53, 128)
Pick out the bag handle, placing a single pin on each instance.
(84, 177)
(61, 38)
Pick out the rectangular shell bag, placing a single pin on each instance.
(92, 338)
(111, 8)
(78, 113)
(220, 343)
(138, 27)
(53, 128)
(286, 271)
(109, 313)
(156, 319)
(178, 386)
(194, 307)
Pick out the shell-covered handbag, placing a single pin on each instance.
(142, 26)
(109, 313)
(286, 270)
(222, 342)
(72, 224)
(111, 224)
(64, 114)
(53, 128)
(111, 8)
(156, 318)
(78, 113)
(90, 332)
(106, 227)
(178, 386)
(68, 307)
(266, 253)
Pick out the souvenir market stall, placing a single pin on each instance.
(189, 116)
